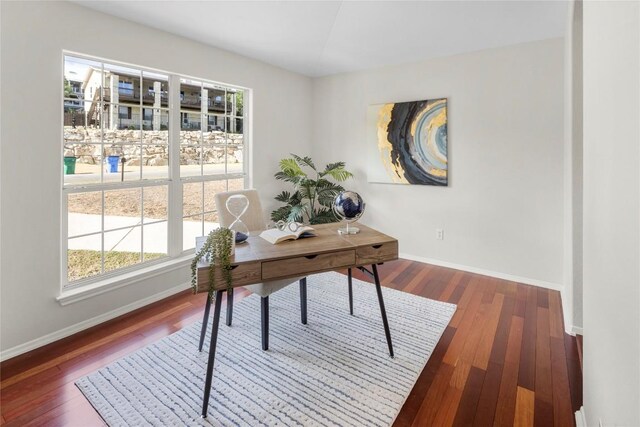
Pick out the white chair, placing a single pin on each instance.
(254, 220)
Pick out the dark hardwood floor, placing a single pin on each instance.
(503, 360)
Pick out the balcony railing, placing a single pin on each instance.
(188, 102)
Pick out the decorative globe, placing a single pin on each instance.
(349, 207)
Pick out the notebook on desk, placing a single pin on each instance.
(275, 235)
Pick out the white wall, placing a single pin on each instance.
(612, 213)
(503, 209)
(33, 37)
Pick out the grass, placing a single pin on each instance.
(85, 263)
(126, 202)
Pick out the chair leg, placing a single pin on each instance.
(264, 311)
(229, 307)
(383, 312)
(212, 354)
(350, 292)
(303, 300)
(203, 331)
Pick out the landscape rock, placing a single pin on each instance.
(84, 144)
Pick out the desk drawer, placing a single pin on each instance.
(377, 253)
(307, 264)
(242, 274)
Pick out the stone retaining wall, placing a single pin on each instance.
(83, 143)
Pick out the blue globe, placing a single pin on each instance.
(348, 206)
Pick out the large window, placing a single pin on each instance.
(140, 172)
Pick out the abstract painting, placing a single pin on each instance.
(410, 143)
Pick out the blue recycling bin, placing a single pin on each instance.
(113, 161)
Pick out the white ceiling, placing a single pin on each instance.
(318, 38)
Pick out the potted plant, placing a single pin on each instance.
(313, 195)
(217, 249)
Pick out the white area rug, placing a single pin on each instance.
(335, 370)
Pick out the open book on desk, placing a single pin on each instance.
(275, 235)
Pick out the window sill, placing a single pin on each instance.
(71, 296)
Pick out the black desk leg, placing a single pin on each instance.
(205, 320)
(303, 300)
(264, 314)
(212, 353)
(382, 310)
(350, 292)
(229, 307)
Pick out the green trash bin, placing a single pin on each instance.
(69, 165)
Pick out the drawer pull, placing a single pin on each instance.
(310, 256)
(376, 246)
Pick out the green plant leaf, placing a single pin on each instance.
(327, 192)
(337, 171)
(291, 168)
(296, 198)
(217, 248)
(324, 184)
(336, 165)
(327, 197)
(281, 214)
(297, 213)
(306, 188)
(283, 197)
(288, 178)
(306, 160)
(324, 216)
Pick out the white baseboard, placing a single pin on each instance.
(569, 328)
(567, 314)
(70, 330)
(581, 419)
(510, 277)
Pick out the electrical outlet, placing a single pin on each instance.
(439, 234)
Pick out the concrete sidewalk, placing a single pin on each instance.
(129, 239)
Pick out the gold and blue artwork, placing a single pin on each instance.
(411, 143)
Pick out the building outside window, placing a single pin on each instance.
(125, 87)
(124, 112)
(127, 161)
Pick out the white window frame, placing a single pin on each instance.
(176, 256)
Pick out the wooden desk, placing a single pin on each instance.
(259, 261)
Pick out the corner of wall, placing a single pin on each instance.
(573, 169)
